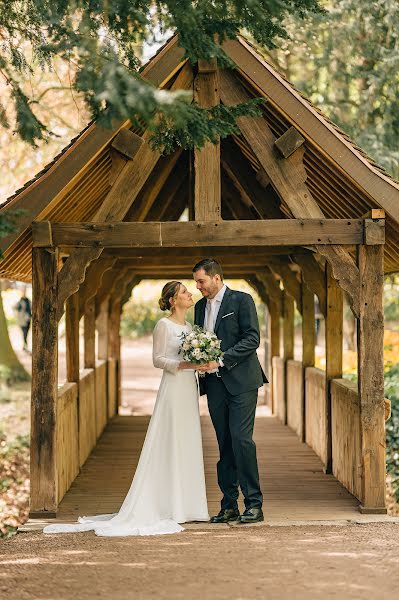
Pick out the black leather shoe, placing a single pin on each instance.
(252, 515)
(226, 515)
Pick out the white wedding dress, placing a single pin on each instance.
(168, 487)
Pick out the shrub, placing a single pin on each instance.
(392, 427)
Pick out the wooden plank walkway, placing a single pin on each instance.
(294, 485)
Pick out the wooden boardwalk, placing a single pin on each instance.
(294, 485)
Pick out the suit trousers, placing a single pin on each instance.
(233, 419)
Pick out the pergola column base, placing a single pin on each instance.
(42, 514)
(373, 510)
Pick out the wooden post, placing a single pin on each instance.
(89, 323)
(207, 183)
(115, 347)
(371, 378)
(102, 328)
(334, 325)
(274, 310)
(288, 341)
(72, 337)
(308, 344)
(43, 466)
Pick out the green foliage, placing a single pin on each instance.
(347, 63)
(99, 37)
(392, 427)
(391, 298)
(139, 318)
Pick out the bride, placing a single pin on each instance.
(168, 487)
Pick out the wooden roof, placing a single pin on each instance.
(343, 180)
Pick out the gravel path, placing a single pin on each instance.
(351, 562)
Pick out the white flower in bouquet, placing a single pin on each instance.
(200, 346)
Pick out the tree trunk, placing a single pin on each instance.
(11, 370)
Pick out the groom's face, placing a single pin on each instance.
(207, 285)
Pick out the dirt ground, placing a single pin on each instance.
(239, 563)
(204, 562)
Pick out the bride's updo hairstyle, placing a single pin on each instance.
(169, 293)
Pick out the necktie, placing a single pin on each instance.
(210, 321)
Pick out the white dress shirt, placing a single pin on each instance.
(211, 314)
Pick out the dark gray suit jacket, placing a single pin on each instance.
(237, 327)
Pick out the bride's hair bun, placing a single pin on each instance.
(169, 291)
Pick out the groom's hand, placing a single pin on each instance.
(213, 365)
(203, 368)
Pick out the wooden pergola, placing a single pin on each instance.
(289, 204)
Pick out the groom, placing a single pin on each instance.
(231, 386)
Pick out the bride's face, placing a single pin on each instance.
(184, 298)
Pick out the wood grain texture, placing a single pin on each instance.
(345, 428)
(295, 395)
(207, 185)
(315, 384)
(101, 400)
(371, 377)
(308, 344)
(89, 328)
(291, 475)
(87, 414)
(278, 383)
(289, 176)
(67, 438)
(304, 232)
(72, 337)
(334, 350)
(43, 465)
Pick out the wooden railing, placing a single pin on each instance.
(83, 410)
(294, 395)
(346, 440)
(278, 382)
(315, 410)
(67, 439)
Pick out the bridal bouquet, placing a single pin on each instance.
(200, 346)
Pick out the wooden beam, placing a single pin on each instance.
(220, 252)
(102, 324)
(43, 467)
(371, 378)
(60, 178)
(207, 185)
(90, 334)
(291, 284)
(289, 179)
(334, 325)
(93, 280)
(308, 120)
(374, 231)
(313, 277)
(117, 202)
(308, 345)
(127, 143)
(111, 281)
(307, 232)
(288, 343)
(246, 181)
(140, 209)
(235, 260)
(72, 337)
(290, 141)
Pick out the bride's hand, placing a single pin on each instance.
(203, 368)
(185, 364)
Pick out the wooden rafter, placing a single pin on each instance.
(120, 198)
(288, 176)
(207, 186)
(244, 178)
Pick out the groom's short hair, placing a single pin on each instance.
(210, 266)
